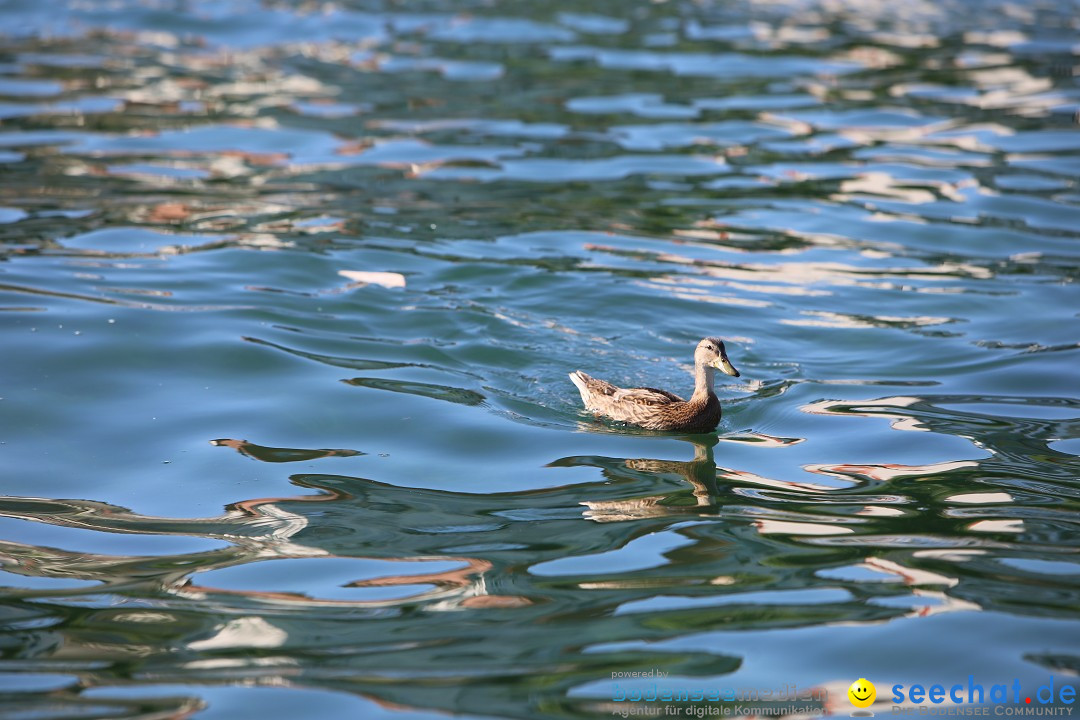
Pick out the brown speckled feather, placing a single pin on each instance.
(649, 408)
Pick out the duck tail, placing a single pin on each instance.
(579, 379)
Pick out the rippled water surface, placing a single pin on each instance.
(289, 292)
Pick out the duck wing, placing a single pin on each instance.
(646, 396)
(594, 391)
(639, 406)
(592, 387)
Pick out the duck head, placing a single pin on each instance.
(712, 353)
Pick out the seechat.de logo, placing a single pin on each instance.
(973, 692)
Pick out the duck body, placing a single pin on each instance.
(649, 408)
(656, 409)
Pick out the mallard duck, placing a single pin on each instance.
(659, 409)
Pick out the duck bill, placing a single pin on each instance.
(724, 365)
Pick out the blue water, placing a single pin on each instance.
(289, 293)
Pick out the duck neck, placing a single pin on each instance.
(703, 381)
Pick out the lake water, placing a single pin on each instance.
(289, 293)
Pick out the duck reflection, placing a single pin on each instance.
(699, 472)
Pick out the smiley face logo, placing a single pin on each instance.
(862, 693)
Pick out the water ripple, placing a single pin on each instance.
(212, 216)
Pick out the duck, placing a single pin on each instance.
(655, 409)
